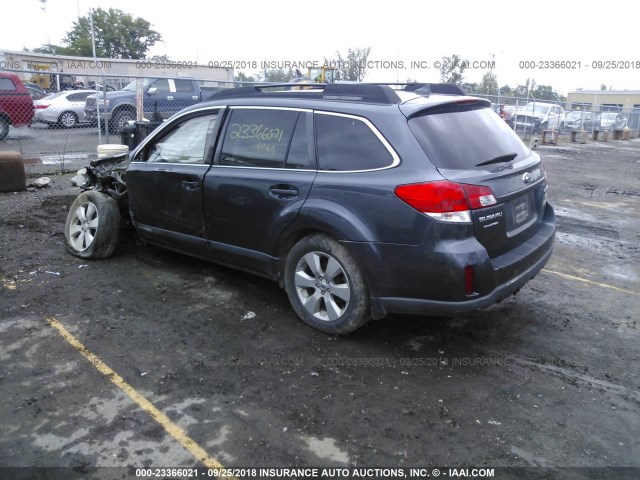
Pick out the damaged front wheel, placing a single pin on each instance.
(92, 225)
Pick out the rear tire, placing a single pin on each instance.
(92, 226)
(326, 286)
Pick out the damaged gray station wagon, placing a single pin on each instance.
(359, 199)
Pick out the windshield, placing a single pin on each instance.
(132, 86)
(537, 108)
(481, 136)
(608, 116)
(576, 115)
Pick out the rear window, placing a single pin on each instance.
(459, 136)
(7, 84)
(348, 144)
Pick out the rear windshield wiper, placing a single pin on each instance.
(499, 159)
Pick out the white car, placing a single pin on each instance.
(65, 109)
(539, 116)
(612, 121)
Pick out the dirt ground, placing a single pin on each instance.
(548, 378)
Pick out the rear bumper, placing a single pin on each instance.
(417, 306)
(430, 280)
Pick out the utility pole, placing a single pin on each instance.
(46, 24)
(104, 87)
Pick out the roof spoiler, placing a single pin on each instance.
(426, 89)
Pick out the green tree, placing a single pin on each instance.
(506, 91)
(488, 85)
(117, 35)
(544, 92)
(275, 75)
(470, 87)
(242, 77)
(528, 87)
(452, 69)
(51, 49)
(353, 67)
(160, 58)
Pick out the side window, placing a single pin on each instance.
(184, 86)
(7, 84)
(258, 137)
(184, 144)
(299, 156)
(161, 85)
(78, 97)
(346, 144)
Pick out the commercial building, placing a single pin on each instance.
(59, 71)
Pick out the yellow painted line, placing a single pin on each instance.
(165, 422)
(591, 282)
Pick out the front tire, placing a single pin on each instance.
(67, 120)
(326, 286)
(92, 226)
(120, 120)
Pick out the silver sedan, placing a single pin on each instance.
(65, 109)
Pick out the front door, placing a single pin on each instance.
(165, 180)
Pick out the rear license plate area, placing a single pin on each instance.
(520, 213)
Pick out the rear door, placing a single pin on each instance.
(156, 98)
(264, 168)
(168, 96)
(185, 94)
(486, 152)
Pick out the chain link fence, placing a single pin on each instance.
(70, 120)
(530, 116)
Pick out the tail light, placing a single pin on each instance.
(41, 106)
(445, 200)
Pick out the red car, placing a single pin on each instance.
(16, 104)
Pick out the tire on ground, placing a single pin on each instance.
(68, 120)
(119, 120)
(92, 226)
(326, 286)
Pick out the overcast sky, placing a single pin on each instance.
(580, 33)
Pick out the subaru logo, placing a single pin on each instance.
(526, 178)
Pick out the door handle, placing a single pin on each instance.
(283, 191)
(170, 97)
(190, 186)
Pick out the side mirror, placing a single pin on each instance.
(152, 90)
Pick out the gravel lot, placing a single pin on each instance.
(548, 378)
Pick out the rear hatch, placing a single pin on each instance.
(470, 145)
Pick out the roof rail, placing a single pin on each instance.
(349, 92)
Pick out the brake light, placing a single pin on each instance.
(41, 106)
(445, 200)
